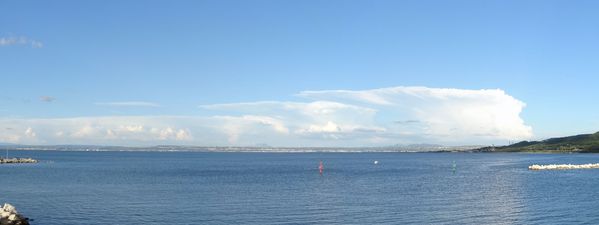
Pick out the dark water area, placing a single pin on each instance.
(286, 188)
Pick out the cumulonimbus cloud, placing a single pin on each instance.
(325, 118)
(443, 112)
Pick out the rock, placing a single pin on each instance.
(564, 166)
(17, 160)
(9, 216)
(9, 208)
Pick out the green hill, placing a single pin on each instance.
(577, 143)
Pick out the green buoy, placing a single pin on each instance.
(453, 166)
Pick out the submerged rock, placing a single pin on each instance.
(10, 216)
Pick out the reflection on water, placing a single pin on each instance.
(261, 188)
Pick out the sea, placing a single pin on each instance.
(122, 187)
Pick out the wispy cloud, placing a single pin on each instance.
(47, 98)
(20, 40)
(129, 104)
(407, 122)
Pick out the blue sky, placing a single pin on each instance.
(165, 68)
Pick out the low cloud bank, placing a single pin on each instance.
(326, 118)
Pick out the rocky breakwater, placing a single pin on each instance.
(9, 216)
(17, 160)
(564, 166)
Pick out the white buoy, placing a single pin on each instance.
(376, 162)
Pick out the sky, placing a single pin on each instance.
(297, 73)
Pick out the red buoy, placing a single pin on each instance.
(320, 168)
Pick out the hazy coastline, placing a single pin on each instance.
(181, 148)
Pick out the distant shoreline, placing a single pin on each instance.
(178, 148)
(289, 151)
(582, 143)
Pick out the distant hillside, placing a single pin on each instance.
(577, 143)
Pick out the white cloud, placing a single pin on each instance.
(10, 138)
(13, 40)
(236, 126)
(30, 133)
(331, 118)
(300, 112)
(143, 130)
(129, 104)
(364, 96)
(131, 130)
(438, 115)
(182, 135)
(329, 127)
(312, 120)
(170, 133)
(443, 114)
(16, 135)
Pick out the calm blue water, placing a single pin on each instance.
(264, 188)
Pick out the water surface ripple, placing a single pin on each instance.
(285, 188)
